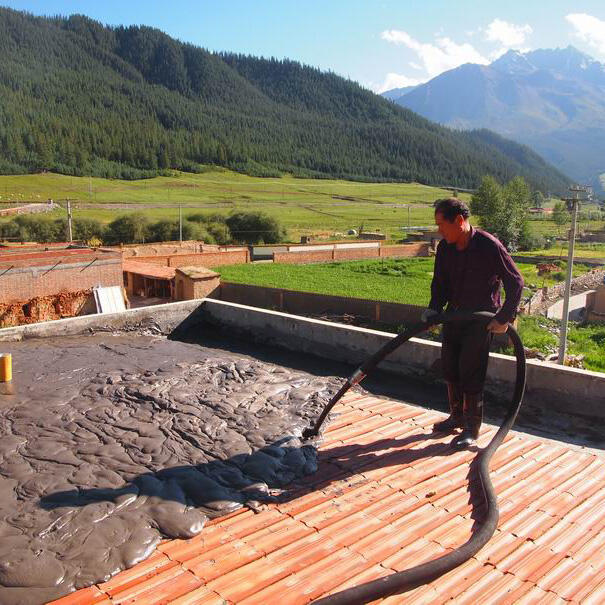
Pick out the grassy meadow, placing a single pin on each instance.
(322, 208)
(304, 206)
(406, 280)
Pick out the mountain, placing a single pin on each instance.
(396, 93)
(130, 102)
(551, 100)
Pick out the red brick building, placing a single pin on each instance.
(43, 272)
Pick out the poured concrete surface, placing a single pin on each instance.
(109, 442)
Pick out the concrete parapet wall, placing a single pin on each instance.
(310, 303)
(166, 317)
(550, 388)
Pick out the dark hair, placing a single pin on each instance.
(451, 207)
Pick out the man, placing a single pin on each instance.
(470, 267)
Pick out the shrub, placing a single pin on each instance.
(254, 228)
(127, 229)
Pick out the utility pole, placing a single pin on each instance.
(180, 224)
(408, 215)
(572, 206)
(69, 229)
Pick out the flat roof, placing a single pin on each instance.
(148, 269)
(41, 256)
(388, 493)
(195, 272)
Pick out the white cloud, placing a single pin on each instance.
(439, 57)
(393, 80)
(589, 29)
(507, 34)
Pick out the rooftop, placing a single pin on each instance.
(198, 272)
(389, 495)
(148, 269)
(41, 256)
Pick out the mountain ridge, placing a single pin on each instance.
(83, 98)
(550, 99)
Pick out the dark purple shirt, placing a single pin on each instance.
(470, 279)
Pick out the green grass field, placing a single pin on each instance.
(581, 250)
(391, 280)
(304, 206)
(319, 207)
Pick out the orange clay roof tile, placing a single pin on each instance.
(86, 596)
(389, 495)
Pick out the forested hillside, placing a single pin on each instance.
(81, 98)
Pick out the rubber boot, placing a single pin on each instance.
(473, 417)
(454, 421)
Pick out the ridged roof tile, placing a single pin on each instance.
(389, 494)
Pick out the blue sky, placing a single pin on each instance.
(381, 44)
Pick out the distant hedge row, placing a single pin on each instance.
(240, 227)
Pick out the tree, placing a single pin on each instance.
(163, 231)
(254, 228)
(503, 210)
(559, 214)
(538, 199)
(39, 229)
(127, 229)
(517, 200)
(86, 229)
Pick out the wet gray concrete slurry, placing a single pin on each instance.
(109, 442)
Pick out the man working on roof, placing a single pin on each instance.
(470, 267)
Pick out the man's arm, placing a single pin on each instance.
(513, 286)
(439, 284)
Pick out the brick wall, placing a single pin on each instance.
(406, 250)
(205, 259)
(342, 254)
(317, 256)
(356, 253)
(210, 259)
(25, 282)
(154, 260)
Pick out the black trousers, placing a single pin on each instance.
(465, 353)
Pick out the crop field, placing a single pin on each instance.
(318, 207)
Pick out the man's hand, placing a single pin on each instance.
(496, 327)
(427, 314)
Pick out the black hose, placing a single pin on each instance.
(427, 572)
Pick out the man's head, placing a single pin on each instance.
(451, 217)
